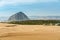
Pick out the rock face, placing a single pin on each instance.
(20, 16)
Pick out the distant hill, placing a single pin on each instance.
(20, 16)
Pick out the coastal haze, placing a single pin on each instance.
(2, 19)
(44, 17)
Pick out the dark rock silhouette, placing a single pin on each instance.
(20, 16)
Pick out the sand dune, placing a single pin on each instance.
(29, 32)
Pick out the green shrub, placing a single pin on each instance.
(36, 22)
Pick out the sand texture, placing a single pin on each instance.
(29, 32)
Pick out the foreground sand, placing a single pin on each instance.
(29, 32)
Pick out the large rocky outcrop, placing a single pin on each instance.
(20, 16)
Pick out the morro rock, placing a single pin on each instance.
(20, 16)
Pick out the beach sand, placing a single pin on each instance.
(29, 32)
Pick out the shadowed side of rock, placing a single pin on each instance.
(20, 16)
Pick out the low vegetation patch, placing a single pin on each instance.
(37, 22)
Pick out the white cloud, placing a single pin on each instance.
(13, 2)
(49, 0)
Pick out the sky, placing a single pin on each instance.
(30, 7)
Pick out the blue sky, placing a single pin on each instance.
(30, 7)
